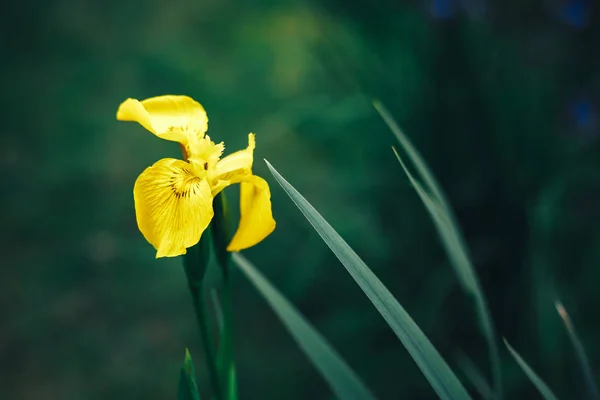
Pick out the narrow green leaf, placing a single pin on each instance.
(435, 201)
(431, 363)
(412, 152)
(533, 377)
(474, 376)
(188, 389)
(584, 363)
(344, 382)
(232, 383)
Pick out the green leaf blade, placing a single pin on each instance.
(412, 152)
(438, 373)
(435, 201)
(533, 377)
(584, 363)
(343, 381)
(475, 377)
(188, 388)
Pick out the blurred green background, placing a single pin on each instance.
(501, 98)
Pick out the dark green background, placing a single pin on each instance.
(502, 105)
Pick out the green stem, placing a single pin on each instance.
(221, 237)
(228, 337)
(202, 317)
(195, 263)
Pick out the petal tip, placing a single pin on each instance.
(251, 141)
(161, 253)
(126, 108)
(240, 243)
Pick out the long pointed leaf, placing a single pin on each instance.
(431, 363)
(474, 376)
(584, 363)
(533, 377)
(343, 381)
(188, 389)
(452, 239)
(413, 154)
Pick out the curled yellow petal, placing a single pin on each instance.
(168, 117)
(256, 222)
(173, 207)
(237, 166)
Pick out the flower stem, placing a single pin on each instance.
(221, 237)
(230, 381)
(195, 263)
(201, 315)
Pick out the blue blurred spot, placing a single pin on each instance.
(583, 113)
(442, 9)
(575, 13)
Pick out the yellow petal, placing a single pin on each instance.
(256, 222)
(168, 117)
(172, 206)
(237, 166)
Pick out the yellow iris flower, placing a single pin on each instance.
(173, 198)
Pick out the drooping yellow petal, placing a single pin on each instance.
(168, 117)
(256, 222)
(235, 167)
(173, 207)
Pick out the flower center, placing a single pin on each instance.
(203, 154)
(182, 184)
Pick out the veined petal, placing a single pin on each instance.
(237, 166)
(168, 117)
(256, 222)
(173, 207)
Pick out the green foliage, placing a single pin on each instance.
(475, 377)
(449, 231)
(492, 102)
(188, 389)
(220, 231)
(533, 377)
(582, 358)
(195, 263)
(221, 235)
(344, 382)
(433, 366)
